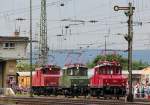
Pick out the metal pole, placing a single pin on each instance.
(31, 95)
(130, 40)
(105, 45)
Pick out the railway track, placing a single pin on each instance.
(66, 101)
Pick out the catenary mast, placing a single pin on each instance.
(43, 47)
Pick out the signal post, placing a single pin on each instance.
(129, 12)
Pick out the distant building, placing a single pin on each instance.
(136, 75)
(12, 48)
(23, 79)
(145, 75)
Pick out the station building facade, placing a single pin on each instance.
(12, 48)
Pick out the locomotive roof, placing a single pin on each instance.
(108, 63)
(74, 65)
(52, 66)
(48, 66)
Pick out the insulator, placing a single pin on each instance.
(62, 4)
(70, 31)
(66, 26)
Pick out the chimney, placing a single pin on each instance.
(16, 33)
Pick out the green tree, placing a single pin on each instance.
(24, 66)
(136, 65)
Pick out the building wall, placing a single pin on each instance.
(11, 49)
(9, 72)
(18, 51)
(1, 74)
(11, 67)
(135, 78)
(2, 69)
(145, 78)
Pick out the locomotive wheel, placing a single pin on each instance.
(110, 97)
(105, 97)
(98, 93)
(118, 97)
(66, 93)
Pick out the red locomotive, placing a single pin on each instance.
(108, 80)
(46, 80)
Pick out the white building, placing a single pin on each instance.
(11, 49)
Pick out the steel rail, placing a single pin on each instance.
(67, 101)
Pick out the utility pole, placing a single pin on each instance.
(129, 12)
(105, 44)
(43, 47)
(31, 94)
(106, 36)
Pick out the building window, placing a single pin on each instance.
(8, 45)
(12, 45)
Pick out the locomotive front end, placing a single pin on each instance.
(79, 81)
(108, 80)
(75, 79)
(46, 80)
(115, 86)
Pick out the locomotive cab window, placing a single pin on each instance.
(54, 71)
(110, 70)
(83, 71)
(77, 71)
(44, 70)
(102, 70)
(99, 71)
(70, 71)
(117, 70)
(50, 70)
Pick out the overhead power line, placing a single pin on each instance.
(35, 7)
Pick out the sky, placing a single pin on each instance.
(111, 25)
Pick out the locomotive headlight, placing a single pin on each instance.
(107, 84)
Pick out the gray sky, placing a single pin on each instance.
(109, 23)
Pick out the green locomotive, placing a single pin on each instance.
(74, 80)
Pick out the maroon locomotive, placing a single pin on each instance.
(108, 80)
(46, 80)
